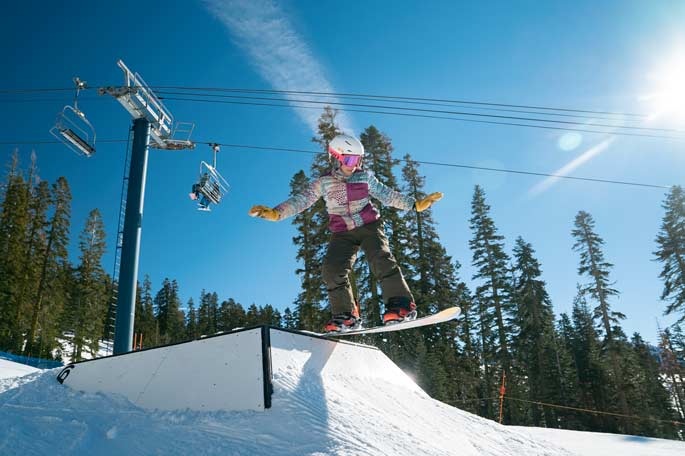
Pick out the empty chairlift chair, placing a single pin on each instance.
(73, 129)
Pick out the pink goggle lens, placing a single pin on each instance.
(351, 160)
(347, 160)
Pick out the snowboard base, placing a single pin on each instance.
(440, 317)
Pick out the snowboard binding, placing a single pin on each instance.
(398, 310)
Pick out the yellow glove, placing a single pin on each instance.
(427, 202)
(265, 212)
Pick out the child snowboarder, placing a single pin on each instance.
(355, 223)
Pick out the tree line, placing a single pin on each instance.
(556, 368)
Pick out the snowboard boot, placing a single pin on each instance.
(343, 322)
(399, 309)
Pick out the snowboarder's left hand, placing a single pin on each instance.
(428, 201)
(265, 212)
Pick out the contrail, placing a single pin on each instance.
(276, 50)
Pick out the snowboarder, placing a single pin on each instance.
(355, 223)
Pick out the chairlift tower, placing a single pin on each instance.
(153, 126)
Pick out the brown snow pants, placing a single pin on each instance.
(339, 260)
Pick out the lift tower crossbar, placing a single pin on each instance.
(153, 126)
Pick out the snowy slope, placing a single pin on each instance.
(332, 399)
(66, 349)
(11, 369)
(593, 443)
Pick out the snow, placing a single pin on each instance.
(66, 349)
(328, 400)
(9, 369)
(595, 443)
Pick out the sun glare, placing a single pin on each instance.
(667, 101)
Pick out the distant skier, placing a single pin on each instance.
(347, 189)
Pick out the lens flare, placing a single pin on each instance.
(570, 141)
(667, 100)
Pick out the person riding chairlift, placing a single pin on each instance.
(198, 192)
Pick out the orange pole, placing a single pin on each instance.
(502, 390)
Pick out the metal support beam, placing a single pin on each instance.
(126, 308)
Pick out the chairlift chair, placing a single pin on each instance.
(73, 129)
(211, 186)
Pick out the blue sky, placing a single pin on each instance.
(583, 55)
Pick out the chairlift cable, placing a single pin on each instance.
(451, 165)
(354, 95)
(426, 116)
(625, 127)
(437, 111)
(443, 104)
(455, 165)
(338, 94)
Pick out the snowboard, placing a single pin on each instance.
(440, 317)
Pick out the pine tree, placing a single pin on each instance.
(50, 298)
(192, 332)
(671, 252)
(147, 323)
(208, 313)
(564, 390)
(252, 316)
(672, 368)
(14, 220)
(466, 371)
(89, 304)
(270, 316)
(585, 347)
(648, 394)
(419, 233)
(433, 277)
(231, 315)
(170, 317)
(289, 320)
(39, 201)
(534, 343)
(492, 294)
(213, 307)
(137, 331)
(594, 265)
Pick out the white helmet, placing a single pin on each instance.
(345, 145)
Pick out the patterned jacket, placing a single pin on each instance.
(348, 199)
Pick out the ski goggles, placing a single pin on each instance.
(347, 160)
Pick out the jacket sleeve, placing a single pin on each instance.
(301, 201)
(388, 196)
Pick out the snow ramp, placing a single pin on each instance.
(356, 398)
(255, 391)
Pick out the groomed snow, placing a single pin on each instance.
(40, 416)
(327, 401)
(10, 369)
(595, 444)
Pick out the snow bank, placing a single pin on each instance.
(594, 443)
(9, 369)
(328, 399)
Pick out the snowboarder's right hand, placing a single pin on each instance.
(265, 212)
